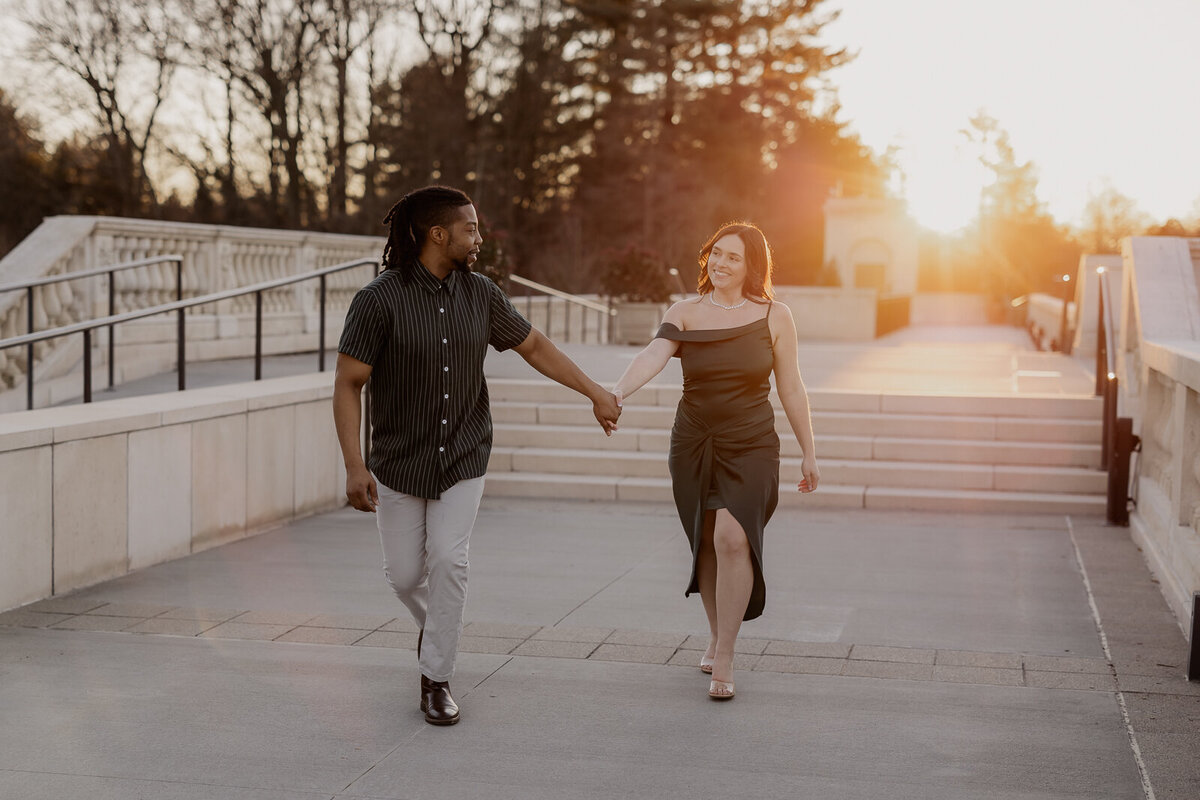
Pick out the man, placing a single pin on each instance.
(420, 332)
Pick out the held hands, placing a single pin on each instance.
(361, 490)
(607, 410)
(811, 475)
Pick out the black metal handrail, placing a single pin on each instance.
(1117, 438)
(110, 271)
(180, 306)
(571, 299)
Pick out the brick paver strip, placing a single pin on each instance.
(900, 655)
(1067, 664)
(401, 625)
(131, 610)
(172, 627)
(985, 675)
(403, 641)
(633, 653)
(752, 646)
(246, 630)
(205, 614)
(552, 648)
(1070, 680)
(90, 623)
(65, 605)
(887, 669)
(691, 658)
(805, 665)
(570, 634)
(366, 622)
(342, 636)
(275, 617)
(500, 629)
(601, 644)
(30, 619)
(646, 639)
(487, 644)
(809, 649)
(966, 658)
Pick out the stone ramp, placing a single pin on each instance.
(906, 655)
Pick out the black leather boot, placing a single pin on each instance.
(437, 703)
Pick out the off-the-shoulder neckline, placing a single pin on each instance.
(714, 330)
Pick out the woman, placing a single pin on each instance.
(724, 456)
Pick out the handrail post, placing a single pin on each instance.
(258, 336)
(181, 354)
(321, 333)
(87, 365)
(567, 321)
(1101, 336)
(29, 352)
(112, 312)
(180, 351)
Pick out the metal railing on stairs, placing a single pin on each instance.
(604, 312)
(179, 307)
(111, 271)
(1118, 441)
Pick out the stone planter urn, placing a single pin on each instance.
(636, 321)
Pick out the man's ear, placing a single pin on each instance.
(438, 234)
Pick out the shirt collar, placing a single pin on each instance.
(426, 279)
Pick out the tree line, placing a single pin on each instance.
(577, 126)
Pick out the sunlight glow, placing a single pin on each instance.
(1087, 89)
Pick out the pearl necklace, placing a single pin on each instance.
(722, 305)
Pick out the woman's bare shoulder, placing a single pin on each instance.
(681, 313)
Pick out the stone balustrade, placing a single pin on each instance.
(1158, 362)
(215, 258)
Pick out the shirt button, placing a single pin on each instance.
(446, 396)
(441, 449)
(442, 310)
(445, 369)
(443, 341)
(443, 422)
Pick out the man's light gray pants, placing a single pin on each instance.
(425, 560)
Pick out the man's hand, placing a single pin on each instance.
(607, 409)
(361, 490)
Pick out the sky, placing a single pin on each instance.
(1089, 90)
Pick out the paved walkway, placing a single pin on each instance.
(903, 656)
(920, 656)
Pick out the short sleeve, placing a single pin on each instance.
(507, 327)
(365, 331)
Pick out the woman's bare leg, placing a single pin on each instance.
(706, 578)
(735, 582)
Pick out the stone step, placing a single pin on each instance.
(1055, 406)
(853, 447)
(835, 471)
(611, 488)
(845, 423)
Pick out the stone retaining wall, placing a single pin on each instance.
(92, 492)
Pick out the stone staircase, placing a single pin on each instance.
(1013, 453)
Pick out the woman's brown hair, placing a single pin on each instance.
(758, 259)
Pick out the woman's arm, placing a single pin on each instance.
(791, 391)
(650, 361)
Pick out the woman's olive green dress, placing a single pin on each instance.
(724, 449)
